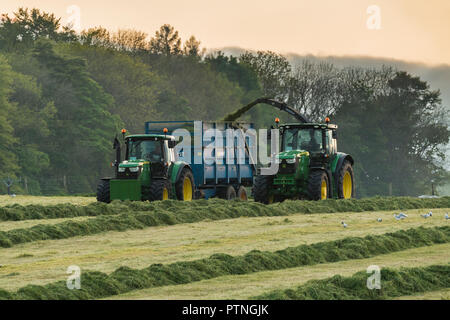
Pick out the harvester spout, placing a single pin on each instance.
(280, 105)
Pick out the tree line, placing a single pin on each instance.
(64, 95)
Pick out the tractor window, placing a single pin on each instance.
(149, 150)
(331, 143)
(302, 139)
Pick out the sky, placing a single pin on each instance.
(409, 30)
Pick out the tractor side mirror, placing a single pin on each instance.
(172, 144)
(335, 134)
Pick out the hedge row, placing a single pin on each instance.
(96, 285)
(394, 283)
(17, 212)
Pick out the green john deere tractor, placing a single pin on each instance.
(149, 171)
(310, 167)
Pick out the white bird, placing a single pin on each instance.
(379, 219)
(344, 224)
(13, 195)
(400, 216)
(446, 216)
(429, 214)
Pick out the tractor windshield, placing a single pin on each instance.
(308, 139)
(150, 150)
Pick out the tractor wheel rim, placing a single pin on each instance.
(165, 195)
(187, 189)
(323, 190)
(347, 185)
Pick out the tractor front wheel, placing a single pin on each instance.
(185, 186)
(318, 185)
(160, 190)
(346, 186)
(262, 189)
(103, 193)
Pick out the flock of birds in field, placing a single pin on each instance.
(402, 215)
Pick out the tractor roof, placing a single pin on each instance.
(149, 136)
(309, 125)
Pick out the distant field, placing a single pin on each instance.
(43, 262)
(26, 200)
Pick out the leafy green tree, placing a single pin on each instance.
(192, 48)
(83, 128)
(166, 41)
(8, 160)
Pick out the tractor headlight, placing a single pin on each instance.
(290, 160)
(134, 169)
(121, 169)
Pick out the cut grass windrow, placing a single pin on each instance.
(17, 212)
(122, 216)
(394, 283)
(95, 285)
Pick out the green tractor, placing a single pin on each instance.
(149, 171)
(310, 167)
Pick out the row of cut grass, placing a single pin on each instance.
(213, 208)
(141, 215)
(394, 283)
(43, 262)
(241, 287)
(98, 285)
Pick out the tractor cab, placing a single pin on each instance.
(319, 140)
(147, 150)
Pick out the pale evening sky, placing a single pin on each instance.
(411, 30)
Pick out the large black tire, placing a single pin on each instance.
(160, 190)
(227, 193)
(103, 193)
(181, 187)
(316, 188)
(345, 181)
(242, 193)
(262, 189)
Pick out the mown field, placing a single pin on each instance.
(223, 250)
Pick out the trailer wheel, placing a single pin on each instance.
(227, 193)
(185, 186)
(160, 190)
(262, 189)
(103, 193)
(242, 193)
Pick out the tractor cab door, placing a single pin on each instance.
(330, 143)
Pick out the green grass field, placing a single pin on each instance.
(44, 262)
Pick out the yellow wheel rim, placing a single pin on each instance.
(347, 185)
(165, 195)
(187, 189)
(323, 190)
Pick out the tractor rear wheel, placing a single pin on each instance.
(318, 185)
(242, 193)
(103, 193)
(262, 189)
(346, 186)
(185, 186)
(227, 193)
(160, 190)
